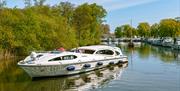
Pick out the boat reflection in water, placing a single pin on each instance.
(81, 82)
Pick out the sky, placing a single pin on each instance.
(121, 12)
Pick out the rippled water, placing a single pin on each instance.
(149, 69)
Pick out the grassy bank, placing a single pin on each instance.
(4, 54)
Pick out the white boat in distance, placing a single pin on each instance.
(82, 59)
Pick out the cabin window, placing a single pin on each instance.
(86, 51)
(56, 59)
(38, 56)
(105, 52)
(117, 53)
(67, 57)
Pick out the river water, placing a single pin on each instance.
(149, 69)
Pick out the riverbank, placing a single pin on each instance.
(4, 54)
(168, 42)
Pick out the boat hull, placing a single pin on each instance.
(61, 69)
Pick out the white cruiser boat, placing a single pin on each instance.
(78, 60)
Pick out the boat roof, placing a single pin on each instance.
(54, 54)
(96, 47)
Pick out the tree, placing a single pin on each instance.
(7, 38)
(2, 3)
(43, 27)
(128, 30)
(143, 29)
(87, 19)
(134, 32)
(105, 28)
(155, 30)
(178, 28)
(27, 3)
(66, 9)
(118, 32)
(125, 31)
(168, 28)
(39, 2)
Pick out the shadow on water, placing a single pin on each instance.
(13, 78)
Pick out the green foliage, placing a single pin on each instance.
(27, 3)
(118, 32)
(105, 28)
(143, 29)
(46, 28)
(2, 3)
(125, 31)
(66, 10)
(39, 2)
(87, 21)
(155, 30)
(168, 28)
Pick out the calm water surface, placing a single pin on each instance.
(149, 69)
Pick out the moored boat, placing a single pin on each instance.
(82, 59)
(167, 42)
(176, 45)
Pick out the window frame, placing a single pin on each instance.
(117, 53)
(105, 52)
(62, 59)
(53, 59)
(85, 51)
